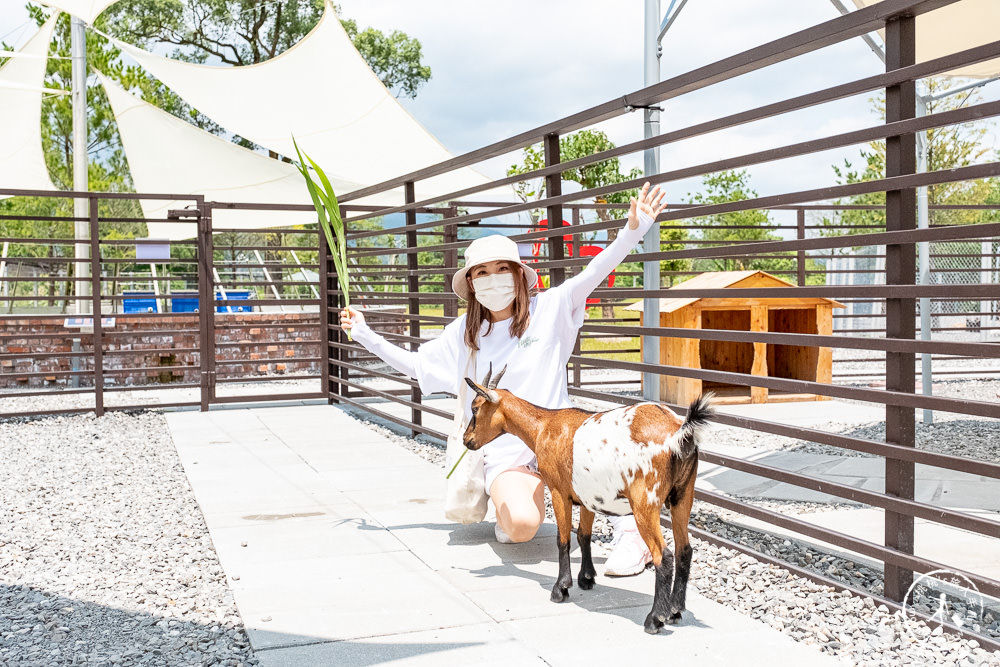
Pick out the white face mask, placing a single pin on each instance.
(495, 292)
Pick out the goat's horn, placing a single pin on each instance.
(486, 380)
(488, 394)
(496, 380)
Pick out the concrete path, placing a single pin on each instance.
(337, 552)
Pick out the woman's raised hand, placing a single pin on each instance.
(349, 317)
(649, 202)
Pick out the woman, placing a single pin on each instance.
(533, 336)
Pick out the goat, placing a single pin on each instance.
(630, 459)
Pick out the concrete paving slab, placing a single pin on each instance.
(981, 495)
(483, 645)
(531, 600)
(708, 634)
(385, 478)
(396, 601)
(341, 558)
(808, 413)
(286, 542)
(322, 569)
(960, 548)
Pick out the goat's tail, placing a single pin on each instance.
(699, 413)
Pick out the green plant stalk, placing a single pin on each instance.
(460, 457)
(330, 221)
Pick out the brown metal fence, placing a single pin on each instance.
(401, 275)
(412, 303)
(152, 343)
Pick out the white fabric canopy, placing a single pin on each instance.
(88, 10)
(167, 154)
(957, 27)
(16, 85)
(322, 91)
(22, 164)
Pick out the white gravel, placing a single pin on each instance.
(105, 557)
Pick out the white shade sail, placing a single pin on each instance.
(323, 92)
(956, 27)
(22, 164)
(167, 154)
(87, 10)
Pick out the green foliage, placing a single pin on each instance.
(600, 174)
(328, 211)
(107, 168)
(948, 147)
(395, 58)
(246, 32)
(734, 227)
(571, 147)
(235, 31)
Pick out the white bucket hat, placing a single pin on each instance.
(489, 249)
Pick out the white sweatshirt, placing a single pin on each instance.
(536, 362)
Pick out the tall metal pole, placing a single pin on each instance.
(81, 207)
(924, 266)
(651, 165)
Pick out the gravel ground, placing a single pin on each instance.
(105, 557)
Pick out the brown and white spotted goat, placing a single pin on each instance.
(630, 459)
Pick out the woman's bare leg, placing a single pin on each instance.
(519, 497)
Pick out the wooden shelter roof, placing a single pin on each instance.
(735, 279)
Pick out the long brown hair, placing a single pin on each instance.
(477, 313)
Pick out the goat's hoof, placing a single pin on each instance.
(559, 594)
(653, 624)
(585, 582)
(674, 618)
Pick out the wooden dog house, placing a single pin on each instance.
(803, 315)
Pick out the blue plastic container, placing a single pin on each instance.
(184, 301)
(233, 295)
(138, 301)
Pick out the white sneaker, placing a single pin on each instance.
(502, 537)
(629, 555)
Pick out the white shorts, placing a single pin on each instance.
(506, 453)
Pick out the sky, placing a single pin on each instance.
(501, 68)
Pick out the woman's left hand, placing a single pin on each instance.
(649, 202)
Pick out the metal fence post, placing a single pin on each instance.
(413, 287)
(327, 316)
(95, 293)
(800, 262)
(578, 345)
(553, 188)
(901, 268)
(450, 263)
(206, 304)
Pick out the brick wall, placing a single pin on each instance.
(158, 349)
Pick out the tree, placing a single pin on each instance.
(247, 32)
(599, 174)
(948, 147)
(107, 168)
(734, 227)
(595, 175)
(242, 31)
